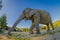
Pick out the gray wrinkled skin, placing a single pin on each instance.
(37, 17)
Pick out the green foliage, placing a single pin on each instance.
(56, 23)
(17, 30)
(25, 29)
(3, 21)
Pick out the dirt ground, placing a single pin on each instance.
(6, 38)
(45, 37)
(49, 36)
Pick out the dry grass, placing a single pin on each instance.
(12, 38)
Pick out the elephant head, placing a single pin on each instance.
(24, 15)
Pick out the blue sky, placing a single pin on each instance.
(13, 8)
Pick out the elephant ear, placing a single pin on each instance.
(26, 11)
(32, 12)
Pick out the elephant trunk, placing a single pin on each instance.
(15, 24)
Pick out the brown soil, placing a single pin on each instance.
(6, 38)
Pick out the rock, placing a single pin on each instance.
(57, 29)
(57, 36)
(45, 37)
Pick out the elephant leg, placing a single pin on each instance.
(48, 28)
(37, 29)
(36, 20)
(31, 29)
(9, 32)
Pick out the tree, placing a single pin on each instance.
(0, 22)
(56, 23)
(0, 19)
(3, 20)
(0, 4)
(0, 9)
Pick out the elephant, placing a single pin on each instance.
(37, 17)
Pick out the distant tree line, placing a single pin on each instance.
(3, 20)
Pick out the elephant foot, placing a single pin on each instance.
(48, 30)
(52, 28)
(32, 32)
(37, 32)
